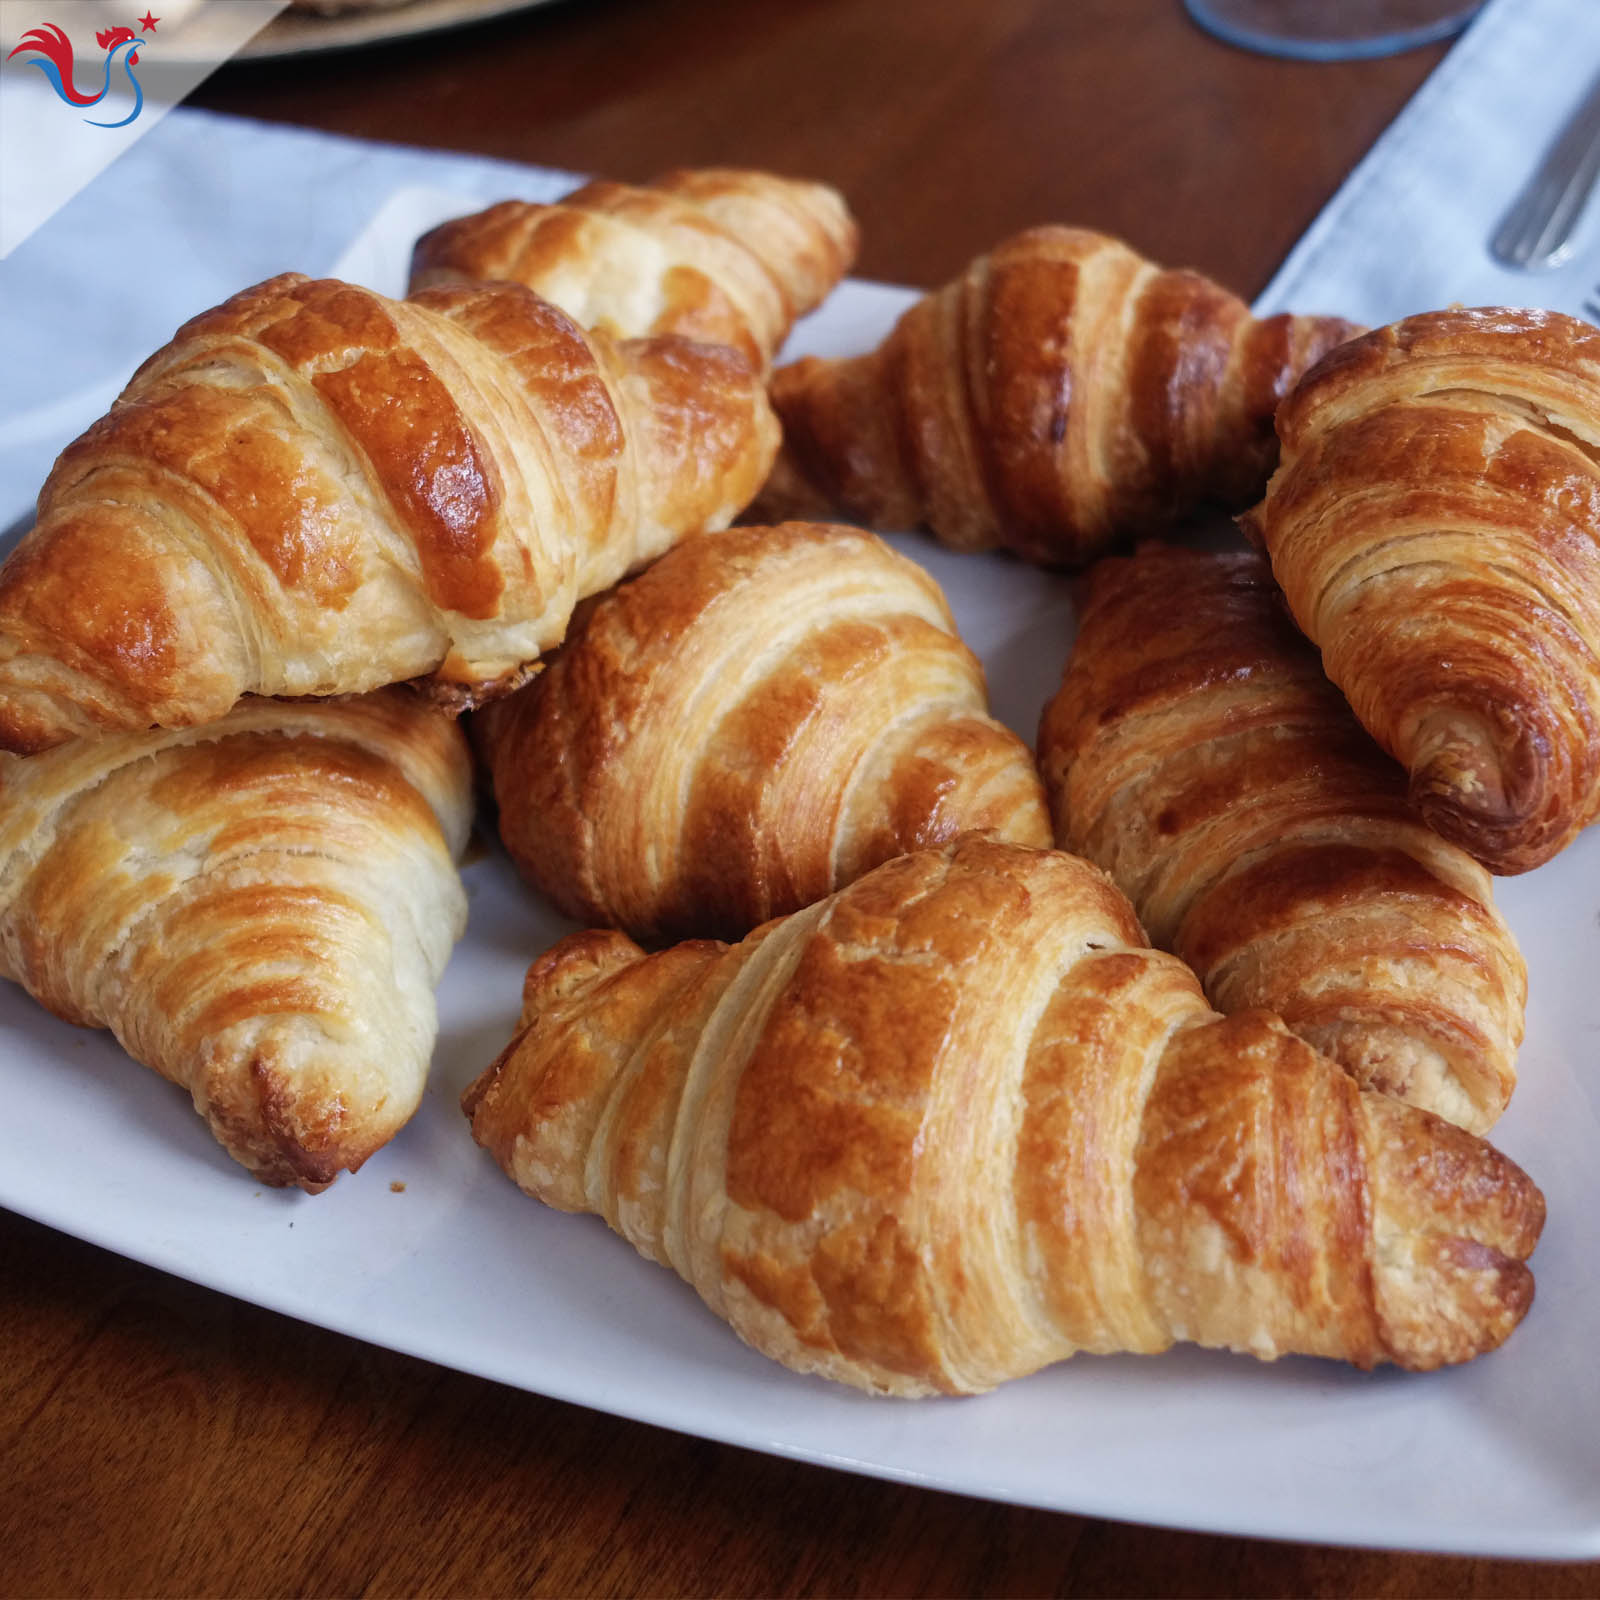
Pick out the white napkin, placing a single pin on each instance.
(1409, 229)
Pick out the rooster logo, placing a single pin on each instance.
(50, 50)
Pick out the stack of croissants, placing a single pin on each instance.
(926, 1058)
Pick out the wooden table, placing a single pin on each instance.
(160, 1439)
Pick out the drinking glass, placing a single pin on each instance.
(1332, 30)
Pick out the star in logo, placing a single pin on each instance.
(147, 23)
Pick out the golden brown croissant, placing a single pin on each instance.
(719, 253)
(957, 1122)
(314, 490)
(1197, 753)
(258, 909)
(1061, 393)
(756, 720)
(1435, 526)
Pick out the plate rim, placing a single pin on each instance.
(291, 34)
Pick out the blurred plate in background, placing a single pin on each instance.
(294, 33)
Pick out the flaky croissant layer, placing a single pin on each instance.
(315, 490)
(755, 721)
(259, 910)
(1435, 526)
(717, 253)
(1062, 393)
(958, 1121)
(1197, 752)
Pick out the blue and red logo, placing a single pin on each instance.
(50, 50)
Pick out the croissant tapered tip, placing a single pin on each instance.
(799, 229)
(1454, 1221)
(1318, 337)
(1480, 786)
(473, 1095)
(259, 1119)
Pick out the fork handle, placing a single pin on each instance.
(1537, 231)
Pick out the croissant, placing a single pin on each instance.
(721, 254)
(314, 490)
(956, 1122)
(1435, 526)
(258, 909)
(1060, 394)
(1198, 754)
(756, 720)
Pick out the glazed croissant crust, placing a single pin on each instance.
(1197, 753)
(259, 910)
(755, 721)
(315, 490)
(717, 253)
(1062, 393)
(1435, 526)
(957, 1121)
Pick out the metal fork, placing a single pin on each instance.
(1537, 231)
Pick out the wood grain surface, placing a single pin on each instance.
(160, 1439)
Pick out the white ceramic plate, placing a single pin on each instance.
(297, 33)
(206, 34)
(1501, 1457)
